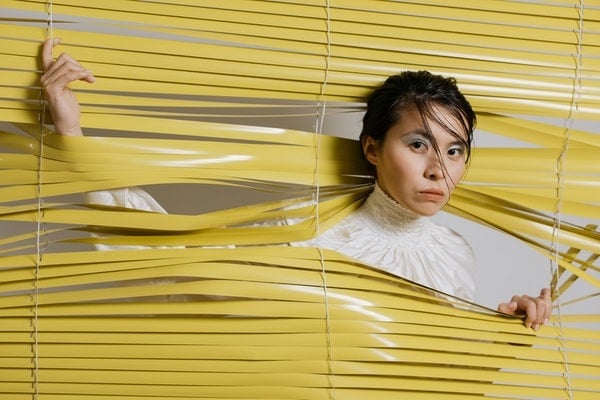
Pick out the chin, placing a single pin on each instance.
(427, 212)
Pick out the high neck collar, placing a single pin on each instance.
(386, 215)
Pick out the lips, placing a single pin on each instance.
(432, 194)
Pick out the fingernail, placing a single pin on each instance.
(545, 321)
(536, 327)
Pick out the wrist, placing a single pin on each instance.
(73, 131)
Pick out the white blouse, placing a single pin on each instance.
(381, 233)
(386, 235)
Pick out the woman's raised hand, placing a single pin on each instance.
(55, 80)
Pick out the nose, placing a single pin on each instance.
(434, 169)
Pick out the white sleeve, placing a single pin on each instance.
(133, 197)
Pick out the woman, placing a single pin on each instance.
(416, 136)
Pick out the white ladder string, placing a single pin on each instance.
(321, 110)
(40, 225)
(561, 165)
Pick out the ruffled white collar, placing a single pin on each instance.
(385, 216)
(386, 235)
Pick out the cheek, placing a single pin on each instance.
(457, 171)
(398, 160)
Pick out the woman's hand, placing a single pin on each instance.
(537, 310)
(62, 101)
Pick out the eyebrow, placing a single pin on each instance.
(458, 142)
(420, 132)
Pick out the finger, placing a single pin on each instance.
(511, 307)
(543, 304)
(537, 310)
(66, 76)
(503, 308)
(47, 52)
(531, 312)
(546, 294)
(508, 308)
(89, 77)
(65, 70)
(540, 311)
(54, 70)
(60, 65)
(68, 65)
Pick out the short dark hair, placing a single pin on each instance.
(423, 90)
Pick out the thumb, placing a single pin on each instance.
(47, 52)
(508, 308)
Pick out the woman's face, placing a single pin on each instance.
(408, 167)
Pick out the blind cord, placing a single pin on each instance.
(321, 110)
(40, 225)
(561, 163)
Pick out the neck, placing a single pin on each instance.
(389, 216)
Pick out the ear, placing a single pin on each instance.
(370, 150)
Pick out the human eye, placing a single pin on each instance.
(457, 151)
(418, 144)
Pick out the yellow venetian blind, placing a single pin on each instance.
(214, 306)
